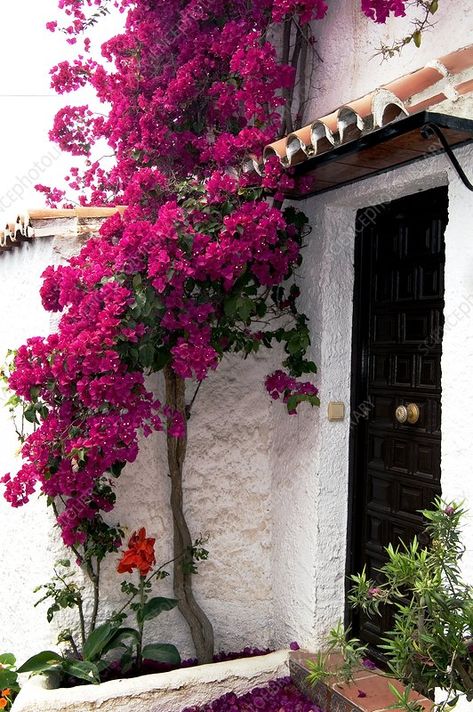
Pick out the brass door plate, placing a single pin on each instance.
(336, 410)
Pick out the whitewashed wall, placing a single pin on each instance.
(311, 459)
(348, 42)
(25, 545)
(310, 454)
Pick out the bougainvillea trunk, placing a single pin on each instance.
(200, 626)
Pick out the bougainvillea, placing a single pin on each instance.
(380, 10)
(196, 265)
(199, 264)
(277, 696)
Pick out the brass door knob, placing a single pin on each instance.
(408, 414)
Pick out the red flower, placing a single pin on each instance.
(139, 555)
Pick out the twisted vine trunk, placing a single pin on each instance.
(200, 626)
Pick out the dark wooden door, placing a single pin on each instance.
(398, 324)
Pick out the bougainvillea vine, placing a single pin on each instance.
(200, 264)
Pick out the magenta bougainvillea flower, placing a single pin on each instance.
(278, 695)
(380, 10)
(198, 266)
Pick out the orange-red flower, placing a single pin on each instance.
(139, 555)
(6, 693)
(3, 703)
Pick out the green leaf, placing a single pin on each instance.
(8, 678)
(126, 661)
(261, 308)
(7, 659)
(97, 640)
(40, 662)
(229, 307)
(161, 358)
(157, 605)
(146, 352)
(116, 468)
(417, 37)
(245, 308)
(82, 669)
(30, 414)
(120, 635)
(62, 562)
(162, 653)
(293, 401)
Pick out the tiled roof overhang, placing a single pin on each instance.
(361, 137)
(395, 145)
(46, 222)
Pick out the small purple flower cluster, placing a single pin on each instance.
(278, 696)
(380, 10)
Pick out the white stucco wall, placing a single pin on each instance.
(311, 459)
(310, 454)
(348, 43)
(25, 547)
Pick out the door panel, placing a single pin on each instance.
(397, 348)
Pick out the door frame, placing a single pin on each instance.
(358, 394)
(357, 458)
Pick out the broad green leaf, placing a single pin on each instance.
(41, 661)
(97, 640)
(157, 605)
(116, 468)
(30, 414)
(8, 678)
(162, 653)
(120, 635)
(82, 669)
(7, 659)
(126, 661)
(101, 665)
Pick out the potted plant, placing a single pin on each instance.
(111, 649)
(430, 646)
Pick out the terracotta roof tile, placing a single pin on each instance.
(415, 83)
(449, 77)
(24, 228)
(427, 103)
(89, 212)
(458, 61)
(465, 87)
